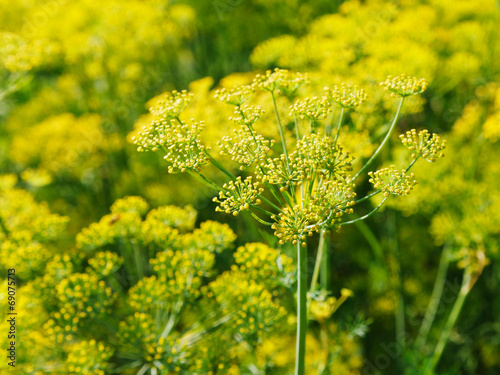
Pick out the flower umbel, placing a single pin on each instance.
(235, 96)
(427, 146)
(237, 196)
(170, 106)
(245, 148)
(392, 181)
(404, 85)
(314, 108)
(346, 96)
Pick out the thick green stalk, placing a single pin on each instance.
(399, 314)
(437, 292)
(386, 139)
(450, 323)
(324, 265)
(138, 260)
(301, 309)
(317, 265)
(297, 134)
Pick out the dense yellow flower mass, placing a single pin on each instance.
(143, 289)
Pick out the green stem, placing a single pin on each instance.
(200, 177)
(367, 215)
(366, 198)
(437, 292)
(339, 126)
(450, 323)
(387, 137)
(297, 134)
(220, 166)
(399, 314)
(301, 309)
(260, 220)
(266, 212)
(367, 233)
(319, 257)
(138, 260)
(261, 197)
(324, 265)
(282, 135)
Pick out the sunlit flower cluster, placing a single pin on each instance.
(265, 265)
(247, 115)
(104, 263)
(257, 311)
(346, 96)
(392, 181)
(88, 357)
(404, 85)
(237, 196)
(314, 108)
(18, 54)
(63, 144)
(427, 146)
(169, 106)
(179, 140)
(235, 96)
(245, 147)
(27, 230)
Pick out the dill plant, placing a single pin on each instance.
(297, 189)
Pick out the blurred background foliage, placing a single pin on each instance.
(75, 82)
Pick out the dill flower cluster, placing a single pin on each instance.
(235, 96)
(21, 55)
(104, 263)
(392, 181)
(245, 148)
(238, 196)
(257, 311)
(347, 96)
(404, 86)
(428, 147)
(264, 265)
(27, 230)
(314, 108)
(63, 145)
(88, 357)
(140, 336)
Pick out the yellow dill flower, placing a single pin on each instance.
(427, 146)
(392, 181)
(404, 86)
